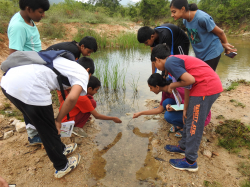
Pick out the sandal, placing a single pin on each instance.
(173, 129)
(178, 134)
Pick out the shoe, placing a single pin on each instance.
(72, 163)
(182, 164)
(173, 129)
(69, 148)
(174, 149)
(79, 132)
(178, 134)
(35, 140)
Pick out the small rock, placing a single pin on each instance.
(20, 127)
(215, 153)
(156, 117)
(204, 139)
(15, 122)
(155, 153)
(77, 140)
(8, 134)
(207, 153)
(11, 120)
(154, 142)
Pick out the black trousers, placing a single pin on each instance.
(42, 117)
(213, 63)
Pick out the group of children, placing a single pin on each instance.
(28, 86)
(194, 78)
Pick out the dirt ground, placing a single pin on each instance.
(26, 165)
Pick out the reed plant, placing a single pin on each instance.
(134, 84)
(127, 40)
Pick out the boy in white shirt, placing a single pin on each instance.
(28, 88)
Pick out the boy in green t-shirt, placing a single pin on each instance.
(24, 36)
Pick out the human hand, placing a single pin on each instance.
(169, 108)
(229, 48)
(170, 88)
(117, 120)
(3, 183)
(136, 115)
(58, 126)
(184, 117)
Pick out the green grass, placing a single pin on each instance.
(232, 86)
(101, 39)
(211, 184)
(220, 117)
(234, 135)
(110, 74)
(236, 83)
(52, 31)
(134, 84)
(237, 103)
(244, 169)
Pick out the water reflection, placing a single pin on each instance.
(128, 159)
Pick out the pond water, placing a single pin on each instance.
(122, 151)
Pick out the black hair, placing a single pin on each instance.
(160, 51)
(34, 4)
(87, 63)
(144, 33)
(183, 3)
(89, 42)
(157, 80)
(94, 82)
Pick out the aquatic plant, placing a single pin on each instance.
(134, 83)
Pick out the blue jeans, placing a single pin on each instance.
(174, 117)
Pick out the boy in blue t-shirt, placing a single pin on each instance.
(24, 36)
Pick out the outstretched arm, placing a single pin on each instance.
(103, 117)
(3, 183)
(68, 105)
(149, 112)
(220, 33)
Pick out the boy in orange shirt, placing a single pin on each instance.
(84, 107)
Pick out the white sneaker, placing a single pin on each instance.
(72, 163)
(69, 148)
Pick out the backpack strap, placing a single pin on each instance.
(172, 47)
(61, 79)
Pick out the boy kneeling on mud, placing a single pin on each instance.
(28, 88)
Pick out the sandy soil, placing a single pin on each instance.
(26, 165)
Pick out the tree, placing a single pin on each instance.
(111, 4)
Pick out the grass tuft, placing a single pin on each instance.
(212, 184)
(234, 135)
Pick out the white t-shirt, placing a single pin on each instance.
(32, 84)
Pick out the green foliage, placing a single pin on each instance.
(100, 39)
(152, 9)
(234, 135)
(52, 31)
(226, 11)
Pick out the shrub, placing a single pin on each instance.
(52, 31)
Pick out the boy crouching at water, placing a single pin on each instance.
(206, 88)
(28, 88)
(85, 106)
